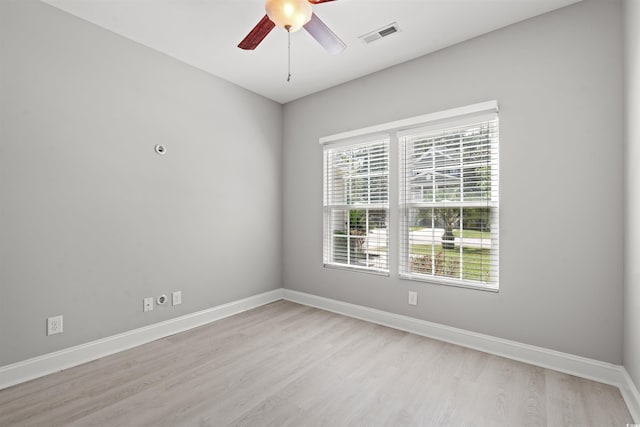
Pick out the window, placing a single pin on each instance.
(356, 205)
(449, 202)
(445, 184)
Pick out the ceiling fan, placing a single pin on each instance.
(293, 15)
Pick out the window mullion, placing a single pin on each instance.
(461, 253)
(460, 225)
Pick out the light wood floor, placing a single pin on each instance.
(287, 364)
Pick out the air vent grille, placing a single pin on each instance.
(385, 31)
(388, 31)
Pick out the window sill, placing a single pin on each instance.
(449, 282)
(357, 269)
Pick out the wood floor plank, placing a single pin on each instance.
(288, 364)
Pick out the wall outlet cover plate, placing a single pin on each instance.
(55, 325)
(176, 298)
(413, 298)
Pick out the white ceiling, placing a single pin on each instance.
(205, 34)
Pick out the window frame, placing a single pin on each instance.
(491, 203)
(393, 129)
(330, 208)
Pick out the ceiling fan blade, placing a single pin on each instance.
(323, 35)
(259, 32)
(319, 1)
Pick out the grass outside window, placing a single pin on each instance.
(475, 261)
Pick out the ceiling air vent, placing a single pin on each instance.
(385, 31)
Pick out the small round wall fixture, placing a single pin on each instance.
(161, 299)
(160, 149)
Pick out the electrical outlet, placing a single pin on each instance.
(413, 298)
(177, 298)
(54, 325)
(147, 304)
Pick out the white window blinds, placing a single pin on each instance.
(449, 202)
(356, 205)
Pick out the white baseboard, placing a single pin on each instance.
(575, 365)
(631, 396)
(53, 362)
(582, 367)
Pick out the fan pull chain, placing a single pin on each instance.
(288, 27)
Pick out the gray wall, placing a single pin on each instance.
(632, 191)
(91, 219)
(558, 79)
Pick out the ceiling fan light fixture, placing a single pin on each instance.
(289, 13)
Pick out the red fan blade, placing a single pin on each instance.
(323, 35)
(319, 1)
(259, 32)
